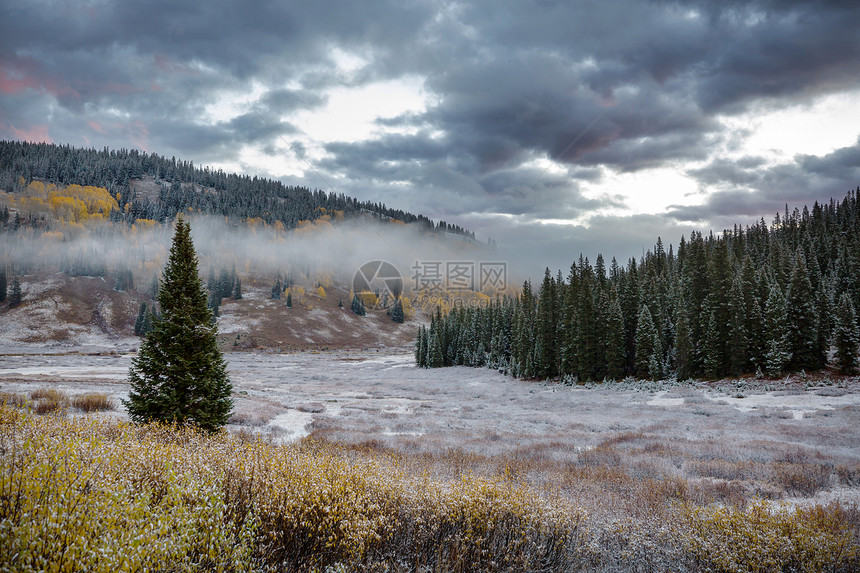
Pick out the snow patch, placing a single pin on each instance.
(661, 400)
(292, 425)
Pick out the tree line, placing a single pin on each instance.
(182, 187)
(764, 299)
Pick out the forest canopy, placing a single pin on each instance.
(764, 299)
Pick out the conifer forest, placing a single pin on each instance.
(764, 300)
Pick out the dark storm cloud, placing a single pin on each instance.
(597, 87)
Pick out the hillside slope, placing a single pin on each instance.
(61, 312)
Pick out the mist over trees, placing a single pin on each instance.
(762, 299)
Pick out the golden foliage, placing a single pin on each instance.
(101, 495)
(73, 203)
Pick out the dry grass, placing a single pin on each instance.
(13, 399)
(49, 400)
(93, 402)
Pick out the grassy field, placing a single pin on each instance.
(83, 492)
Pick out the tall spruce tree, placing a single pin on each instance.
(777, 341)
(3, 284)
(647, 345)
(737, 354)
(397, 312)
(616, 355)
(179, 375)
(846, 335)
(683, 341)
(545, 329)
(802, 317)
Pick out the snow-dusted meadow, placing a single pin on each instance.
(382, 398)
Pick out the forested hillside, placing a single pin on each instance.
(761, 299)
(181, 187)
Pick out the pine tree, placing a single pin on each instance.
(777, 342)
(435, 355)
(846, 335)
(290, 299)
(545, 329)
(141, 317)
(358, 306)
(15, 295)
(737, 354)
(802, 318)
(214, 303)
(397, 312)
(179, 375)
(421, 348)
(683, 342)
(237, 289)
(3, 285)
(616, 355)
(646, 347)
(225, 283)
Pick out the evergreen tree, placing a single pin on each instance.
(802, 317)
(179, 375)
(141, 318)
(290, 299)
(214, 303)
(237, 289)
(153, 288)
(737, 330)
(846, 335)
(545, 329)
(212, 283)
(683, 343)
(753, 319)
(824, 323)
(435, 355)
(3, 285)
(225, 284)
(421, 348)
(647, 348)
(358, 306)
(397, 312)
(277, 290)
(616, 355)
(15, 295)
(777, 342)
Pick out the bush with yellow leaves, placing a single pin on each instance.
(98, 495)
(770, 537)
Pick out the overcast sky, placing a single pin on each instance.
(555, 127)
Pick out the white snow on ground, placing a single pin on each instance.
(292, 425)
(358, 396)
(67, 372)
(661, 400)
(797, 404)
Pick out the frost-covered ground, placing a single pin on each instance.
(382, 396)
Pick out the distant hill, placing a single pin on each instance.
(149, 186)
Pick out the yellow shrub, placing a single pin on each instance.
(767, 537)
(100, 495)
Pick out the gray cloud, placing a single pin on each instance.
(600, 88)
(747, 188)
